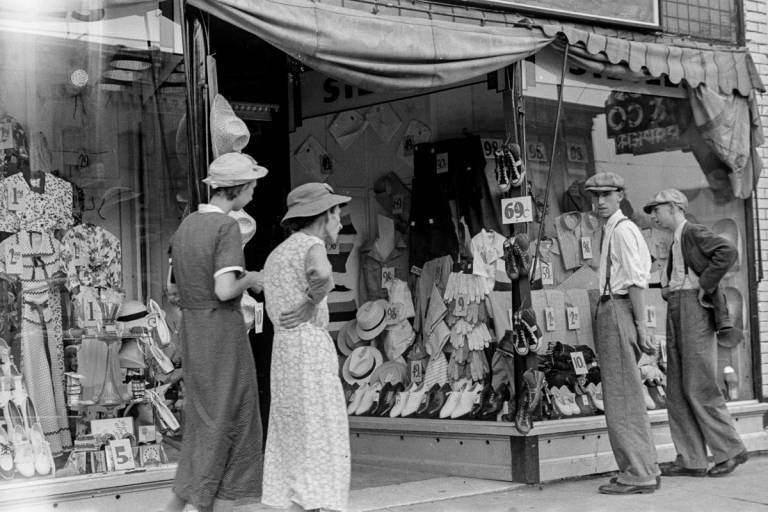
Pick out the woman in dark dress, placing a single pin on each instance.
(221, 456)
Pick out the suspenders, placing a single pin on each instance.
(607, 288)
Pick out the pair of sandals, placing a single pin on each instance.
(23, 445)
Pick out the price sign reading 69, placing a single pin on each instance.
(516, 209)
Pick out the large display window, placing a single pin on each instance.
(91, 188)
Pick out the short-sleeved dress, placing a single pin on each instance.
(306, 459)
(221, 451)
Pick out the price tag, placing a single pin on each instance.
(661, 345)
(258, 318)
(393, 313)
(574, 321)
(121, 454)
(16, 198)
(516, 209)
(549, 319)
(461, 306)
(490, 146)
(586, 247)
(415, 270)
(578, 363)
(332, 247)
(537, 151)
(91, 313)
(6, 135)
(585, 400)
(397, 204)
(650, 316)
(13, 261)
(441, 163)
(387, 275)
(547, 276)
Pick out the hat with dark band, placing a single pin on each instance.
(371, 319)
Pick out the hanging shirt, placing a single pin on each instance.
(43, 204)
(567, 226)
(630, 259)
(487, 258)
(92, 257)
(40, 260)
(680, 279)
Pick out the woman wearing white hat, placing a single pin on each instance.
(306, 459)
(221, 457)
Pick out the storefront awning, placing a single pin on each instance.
(395, 47)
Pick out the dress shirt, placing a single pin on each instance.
(630, 259)
(680, 279)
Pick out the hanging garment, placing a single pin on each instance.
(342, 304)
(41, 347)
(92, 257)
(487, 261)
(42, 203)
(374, 264)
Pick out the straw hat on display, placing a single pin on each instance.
(361, 364)
(371, 319)
(393, 372)
(312, 199)
(228, 132)
(347, 339)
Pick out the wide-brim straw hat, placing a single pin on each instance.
(347, 339)
(371, 319)
(393, 372)
(229, 133)
(311, 199)
(360, 365)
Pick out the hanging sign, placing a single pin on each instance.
(650, 316)
(547, 277)
(574, 321)
(586, 247)
(13, 261)
(16, 199)
(490, 146)
(641, 123)
(579, 364)
(387, 275)
(549, 319)
(515, 210)
(441, 163)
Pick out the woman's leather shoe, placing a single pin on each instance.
(426, 400)
(377, 400)
(438, 401)
(387, 402)
(494, 403)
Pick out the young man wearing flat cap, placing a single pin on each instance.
(620, 337)
(698, 416)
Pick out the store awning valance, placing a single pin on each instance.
(392, 46)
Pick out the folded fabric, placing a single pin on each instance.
(400, 297)
(437, 339)
(437, 371)
(436, 311)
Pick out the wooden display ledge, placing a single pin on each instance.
(496, 450)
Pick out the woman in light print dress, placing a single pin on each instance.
(306, 460)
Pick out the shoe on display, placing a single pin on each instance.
(569, 399)
(426, 400)
(415, 396)
(438, 401)
(727, 467)
(6, 455)
(41, 449)
(23, 454)
(388, 401)
(523, 420)
(349, 391)
(649, 403)
(478, 407)
(467, 400)
(534, 381)
(378, 400)
(13, 418)
(494, 403)
(595, 392)
(400, 401)
(357, 397)
(559, 403)
(371, 395)
(453, 399)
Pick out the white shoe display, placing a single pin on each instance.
(649, 403)
(569, 398)
(415, 396)
(595, 392)
(368, 399)
(467, 400)
(357, 397)
(400, 401)
(453, 399)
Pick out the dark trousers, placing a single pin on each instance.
(698, 416)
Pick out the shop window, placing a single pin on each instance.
(92, 186)
(702, 19)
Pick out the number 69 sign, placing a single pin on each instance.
(516, 209)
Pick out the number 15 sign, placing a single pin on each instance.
(516, 209)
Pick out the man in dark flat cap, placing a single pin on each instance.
(698, 416)
(621, 337)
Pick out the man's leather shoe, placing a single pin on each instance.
(438, 401)
(672, 469)
(658, 481)
(426, 400)
(494, 403)
(480, 405)
(619, 488)
(377, 400)
(729, 465)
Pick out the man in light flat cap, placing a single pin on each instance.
(621, 337)
(698, 416)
